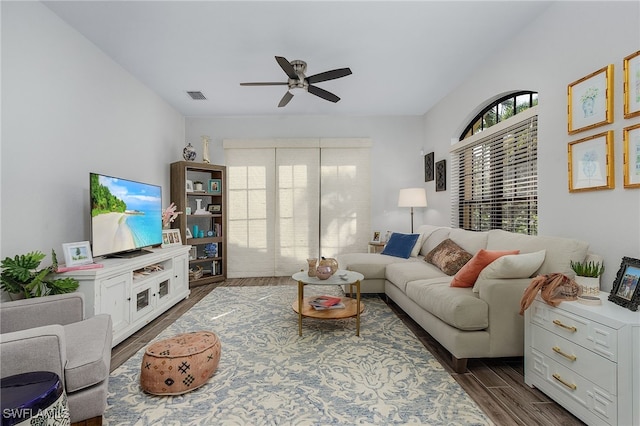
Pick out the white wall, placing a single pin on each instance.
(570, 41)
(395, 153)
(68, 109)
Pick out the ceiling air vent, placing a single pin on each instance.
(197, 96)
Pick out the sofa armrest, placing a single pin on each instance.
(40, 311)
(506, 325)
(35, 349)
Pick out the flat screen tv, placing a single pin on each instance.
(126, 216)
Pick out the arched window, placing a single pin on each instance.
(495, 168)
(500, 110)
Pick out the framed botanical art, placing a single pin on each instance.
(631, 69)
(428, 167)
(591, 163)
(631, 150)
(626, 291)
(591, 101)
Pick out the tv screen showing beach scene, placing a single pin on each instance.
(125, 215)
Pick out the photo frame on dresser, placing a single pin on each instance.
(626, 287)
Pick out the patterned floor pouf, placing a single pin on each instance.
(180, 364)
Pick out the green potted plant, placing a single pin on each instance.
(21, 276)
(588, 276)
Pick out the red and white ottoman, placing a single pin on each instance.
(180, 364)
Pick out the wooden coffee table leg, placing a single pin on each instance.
(358, 308)
(300, 300)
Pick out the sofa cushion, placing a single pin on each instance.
(471, 241)
(433, 236)
(400, 245)
(88, 345)
(415, 251)
(371, 265)
(512, 266)
(468, 274)
(448, 256)
(459, 307)
(559, 251)
(399, 274)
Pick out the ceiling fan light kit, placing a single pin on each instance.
(295, 70)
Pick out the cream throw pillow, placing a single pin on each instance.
(512, 266)
(416, 249)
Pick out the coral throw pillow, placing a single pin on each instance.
(467, 275)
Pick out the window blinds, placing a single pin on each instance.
(495, 177)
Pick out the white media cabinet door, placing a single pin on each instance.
(115, 299)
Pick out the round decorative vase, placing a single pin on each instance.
(323, 272)
(189, 153)
(331, 262)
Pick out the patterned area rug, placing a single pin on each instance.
(268, 375)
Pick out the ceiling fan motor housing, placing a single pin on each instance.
(300, 67)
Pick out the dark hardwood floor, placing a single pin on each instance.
(496, 385)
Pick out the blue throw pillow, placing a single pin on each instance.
(400, 245)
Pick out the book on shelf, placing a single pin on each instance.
(324, 308)
(63, 268)
(326, 302)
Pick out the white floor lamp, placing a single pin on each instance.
(412, 197)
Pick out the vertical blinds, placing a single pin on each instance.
(294, 199)
(495, 177)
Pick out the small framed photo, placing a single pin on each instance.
(171, 237)
(591, 163)
(591, 101)
(189, 187)
(193, 253)
(215, 186)
(631, 68)
(626, 291)
(77, 253)
(214, 208)
(376, 237)
(631, 138)
(428, 167)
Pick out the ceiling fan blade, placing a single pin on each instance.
(329, 75)
(287, 67)
(285, 99)
(323, 93)
(264, 84)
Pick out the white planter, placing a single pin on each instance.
(590, 285)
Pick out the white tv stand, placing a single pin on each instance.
(134, 300)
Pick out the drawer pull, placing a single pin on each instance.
(567, 356)
(567, 327)
(569, 385)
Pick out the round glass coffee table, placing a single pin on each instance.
(352, 307)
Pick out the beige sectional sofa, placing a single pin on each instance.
(482, 321)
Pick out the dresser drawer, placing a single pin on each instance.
(580, 330)
(570, 389)
(590, 365)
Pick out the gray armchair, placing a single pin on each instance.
(50, 334)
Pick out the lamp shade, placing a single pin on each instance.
(412, 197)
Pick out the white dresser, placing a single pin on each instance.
(587, 358)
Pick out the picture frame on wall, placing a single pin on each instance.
(590, 101)
(631, 149)
(77, 253)
(591, 163)
(626, 287)
(631, 71)
(428, 167)
(441, 175)
(171, 237)
(215, 186)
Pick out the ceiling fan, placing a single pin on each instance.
(297, 80)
